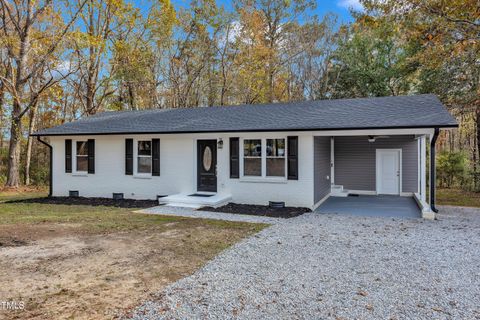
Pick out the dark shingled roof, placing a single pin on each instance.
(420, 111)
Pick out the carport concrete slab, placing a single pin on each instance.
(372, 206)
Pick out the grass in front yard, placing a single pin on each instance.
(455, 197)
(89, 262)
(22, 193)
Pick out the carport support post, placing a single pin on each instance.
(433, 141)
(332, 161)
(423, 169)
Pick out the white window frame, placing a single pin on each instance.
(277, 157)
(263, 177)
(74, 158)
(250, 157)
(135, 159)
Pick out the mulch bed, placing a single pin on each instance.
(257, 210)
(124, 203)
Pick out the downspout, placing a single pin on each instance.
(50, 189)
(433, 170)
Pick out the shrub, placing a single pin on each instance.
(451, 168)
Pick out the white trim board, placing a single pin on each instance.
(319, 203)
(427, 212)
(374, 132)
(263, 177)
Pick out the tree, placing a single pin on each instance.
(311, 75)
(31, 34)
(100, 20)
(374, 61)
(192, 55)
(133, 60)
(267, 24)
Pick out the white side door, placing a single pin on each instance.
(388, 171)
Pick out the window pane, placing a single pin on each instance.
(276, 167)
(144, 165)
(82, 163)
(252, 148)
(207, 159)
(82, 148)
(144, 148)
(275, 147)
(252, 166)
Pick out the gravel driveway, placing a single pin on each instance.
(338, 267)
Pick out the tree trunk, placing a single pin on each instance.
(13, 174)
(476, 173)
(131, 96)
(91, 80)
(2, 121)
(28, 155)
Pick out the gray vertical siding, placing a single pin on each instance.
(321, 160)
(355, 161)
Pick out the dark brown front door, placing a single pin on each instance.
(207, 165)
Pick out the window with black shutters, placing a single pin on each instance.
(265, 158)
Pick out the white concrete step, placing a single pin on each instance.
(338, 191)
(190, 201)
(337, 188)
(344, 193)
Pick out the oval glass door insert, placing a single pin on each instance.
(207, 158)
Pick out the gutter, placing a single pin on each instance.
(433, 170)
(50, 174)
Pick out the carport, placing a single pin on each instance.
(372, 206)
(373, 173)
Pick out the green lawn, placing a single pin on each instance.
(96, 218)
(454, 197)
(22, 194)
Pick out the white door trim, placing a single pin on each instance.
(378, 167)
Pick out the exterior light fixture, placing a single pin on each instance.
(220, 143)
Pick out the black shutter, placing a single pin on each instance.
(234, 158)
(155, 157)
(292, 167)
(68, 156)
(129, 156)
(91, 156)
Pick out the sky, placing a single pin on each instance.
(339, 7)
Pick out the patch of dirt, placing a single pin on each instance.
(11, 242)
(257, 210)
(63, 272)
(124, 203)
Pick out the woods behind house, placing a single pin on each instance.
(62, 60)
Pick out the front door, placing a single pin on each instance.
(207, 165)
(388, 171)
